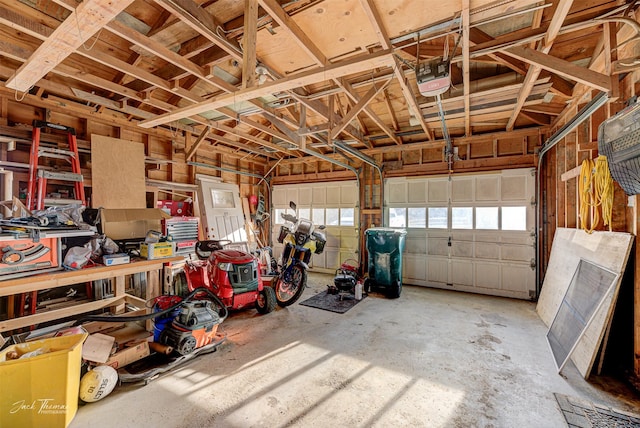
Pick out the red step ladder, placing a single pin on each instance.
(37, 187)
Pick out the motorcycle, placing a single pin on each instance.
(301, 240)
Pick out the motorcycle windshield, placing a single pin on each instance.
(304, 227)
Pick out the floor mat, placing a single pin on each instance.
(332, 302)
(583, 414)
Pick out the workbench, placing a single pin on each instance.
(153, 269)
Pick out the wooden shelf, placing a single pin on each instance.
(63, 278)
(153, 269)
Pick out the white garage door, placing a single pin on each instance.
(468, 232)
(332, 204)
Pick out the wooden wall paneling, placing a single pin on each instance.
(482, 149)
(584, 130)
(571, 190)
(67, 119)
(4, 111)
(112, 187)
(561, 219)
(23, 113)
(104, 129)
(619, 212)
(596, 119)
(582, 155)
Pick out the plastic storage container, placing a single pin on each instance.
(385, 247)
(41, 390)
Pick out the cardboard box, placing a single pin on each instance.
(131, 223)
(128, 355)
(157, 250)
(130, 333)
(42, 390)
(115, 259)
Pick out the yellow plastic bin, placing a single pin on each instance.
(41, 390)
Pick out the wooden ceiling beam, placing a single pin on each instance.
(42, 32)
(153, 47)
(409, 96)
(201, 21)
(537, 118)
(279, 15)
(561, 67)
(362, 103)
(161, 51)
(258, 126)
(252, 138)
(191, 151)
(351, 66)
(244, 147)
(68, 4)
(81, 25)
(302, 40)
(477, 36)
(322, 110)
(576, 21)
(249, 43)
(383, 126)
(383, 38)
(559, 16)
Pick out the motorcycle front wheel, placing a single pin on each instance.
(288, 292)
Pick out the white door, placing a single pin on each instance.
(468, 232)
(221, 209)
(333, 204)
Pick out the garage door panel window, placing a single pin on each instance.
(438, 218)
(317, 216)
(487, 218)
(304, 213)
(514, 218)
(278, 213)
(462, 218)
(417, 217)
(332, 217)
(397, 217)
(347, 216)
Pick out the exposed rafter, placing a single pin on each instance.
(81, 25)
(375, 20)
(354, 65)
(561, 12)
(249, 43)
(197, 18)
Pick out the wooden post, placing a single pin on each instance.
(118, 291)
(153, 290)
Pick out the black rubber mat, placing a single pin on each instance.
(584, 414)
(332, 302)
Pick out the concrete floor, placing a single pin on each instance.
(433, 358)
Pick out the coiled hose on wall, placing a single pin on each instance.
(595, 187)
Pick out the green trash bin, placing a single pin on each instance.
(385, 247)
